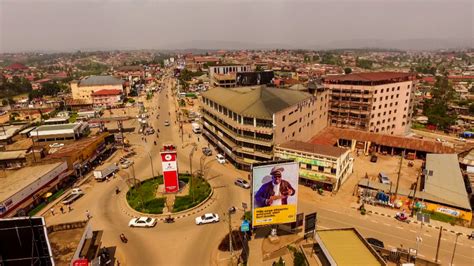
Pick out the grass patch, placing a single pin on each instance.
(73, 118)
(143, 197)
(417, 126)
(441, 217)
(201, 189)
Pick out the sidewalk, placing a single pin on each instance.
(377, 210)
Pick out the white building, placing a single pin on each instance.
(322, 165)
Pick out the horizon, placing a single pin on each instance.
(184, 25)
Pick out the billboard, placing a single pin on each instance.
(254, 78)
(170, 170)
(274, 193)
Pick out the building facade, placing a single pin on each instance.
(83, 89)
(325, 166)
(107, 98)
(225, 75)
(246, 123)
(380, 102)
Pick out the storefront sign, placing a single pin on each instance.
(448, 211)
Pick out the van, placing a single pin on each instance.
(384, 179)
(196, 128)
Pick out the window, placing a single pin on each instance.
(378, 115)
(375, 99)
(321, 168)
(406, 101)
(333, 171)
(391, 97)
(299, 130)
(397, 95)
(389, 112)
(408, 93)
(391, 104)
(381, 91)
(388, 120)
(398, 88)
(372, 116)
(386, 97)
(383, 121)
(375, 92)
(380, 98)
(293, 134)
(384, 113)
(373, 108)
(393, 89)
(385, 106)
(408, 86)
(380, 106)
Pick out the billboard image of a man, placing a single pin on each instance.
(276, 191)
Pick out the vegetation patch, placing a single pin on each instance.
(201, 190)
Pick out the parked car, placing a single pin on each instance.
(207, 218)
(373, 158)
(56, 145)
(375, 242)
(124, 164)
(74, 195)
(242, 183)
(220, 158)
(142, 222)
(206, 151)
(384, 179)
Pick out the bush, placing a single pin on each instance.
(155, 206)
(143, 199)
(201, 189)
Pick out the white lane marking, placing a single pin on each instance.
(413, 231)
(427, 235)
(399, 227)
(374, 221)
(387, 224)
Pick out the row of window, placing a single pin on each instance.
(388, 89)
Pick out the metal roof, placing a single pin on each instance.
(320, 149)
(100, 81)
(256, 101)
(446, 180)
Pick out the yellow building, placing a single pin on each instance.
(82, 89)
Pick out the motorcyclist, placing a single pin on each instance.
(154, 142)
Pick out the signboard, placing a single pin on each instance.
(245, 226)
(170, 170)
(274, 193)
(310, 222)
(81, 262)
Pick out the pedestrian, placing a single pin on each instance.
(198, 139)
(52, 211)
(69, 208)
(61, 209)
(88, 215)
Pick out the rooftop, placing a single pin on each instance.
(369, 77)
(100, 81)
(326, 150)
(55, 129)
(9, 131)
(16, 180)
(347, 247)
(11, 155)
(447, 180)
(257, 101)
(106, 92)
(330, 135)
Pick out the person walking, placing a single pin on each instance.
(52, 211)
(69, 208)
(88, 215)
(61, 209)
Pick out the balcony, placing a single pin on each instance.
(255, 152)
(264, 130)
(267, 143)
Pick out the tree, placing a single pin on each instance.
(436, 109)
(347, 70)
(364, 63)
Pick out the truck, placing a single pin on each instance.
(101, 175)
(196, 128)
(74, 195)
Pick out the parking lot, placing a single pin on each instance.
(386, 164)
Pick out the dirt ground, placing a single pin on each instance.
(386, 164)
(64, 244)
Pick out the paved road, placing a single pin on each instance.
(184, 243)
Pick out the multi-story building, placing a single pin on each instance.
(83, 89)
(322, 165)
(247, 122)
(225, 75)
(379, 102)
(107, 98)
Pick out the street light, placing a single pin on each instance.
(194, 147)
(454, 250)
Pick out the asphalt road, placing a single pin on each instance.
(184, 243)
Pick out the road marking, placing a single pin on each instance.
(413, 231)
(444, 239)
(323, 227)
(387, 224)
(421, 255)
(399, 227)
(374, 221)
(427, 235)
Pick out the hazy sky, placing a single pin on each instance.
(65, 25)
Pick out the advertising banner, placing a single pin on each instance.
(170, 171)
(274, 193)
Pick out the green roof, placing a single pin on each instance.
(257, 101)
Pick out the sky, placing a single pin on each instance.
(71, 25)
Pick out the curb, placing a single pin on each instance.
(416, 222)
(178, 215)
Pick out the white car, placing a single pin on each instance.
(220, 158)
(207, 218)
(142, 222)
(167, 123)
(56, 145)
(125, 164)
(242, 183)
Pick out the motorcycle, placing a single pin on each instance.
(169, 220)
(117, 190)
(154, 142)
(123, 238)
(400, 216)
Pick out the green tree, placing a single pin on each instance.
(347, 70)
(364, 63)
(436, 109)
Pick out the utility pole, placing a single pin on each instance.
(231, 248)
(414, 194)
(151, 163)
(439, 243)
(399, 172)
(454, 250)
(191, 170)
